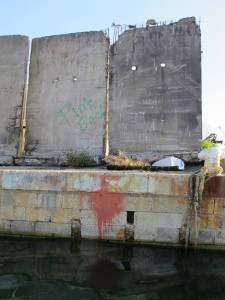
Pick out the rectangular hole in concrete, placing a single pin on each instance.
(130, 217)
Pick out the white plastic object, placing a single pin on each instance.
(212, 157)
(170, 162)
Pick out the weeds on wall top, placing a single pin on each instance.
(78, 158)
(124, 162)
(208, 144)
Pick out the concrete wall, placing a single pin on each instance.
(67, 94)
(14, 52)
(98, 204)
(156, 109)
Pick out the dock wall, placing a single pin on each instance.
(111, 205)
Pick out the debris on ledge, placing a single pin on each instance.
(123, 162)
(169, 163)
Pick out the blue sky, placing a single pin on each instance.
(49, 17)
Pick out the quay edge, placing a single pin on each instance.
(135, 206)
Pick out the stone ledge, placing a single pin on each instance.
(46, 161)
(129, 182)
(114, 232)
(22, 227)
(53, 229)
(205, 236)
(6, 160)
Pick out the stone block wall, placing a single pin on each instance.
(53, 203)
(212, 220)
(136, 206)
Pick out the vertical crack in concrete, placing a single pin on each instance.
(107, 102)
(21, 150)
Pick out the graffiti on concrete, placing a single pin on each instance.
(81, 117)
(106, 205)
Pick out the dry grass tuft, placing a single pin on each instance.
(122, 160)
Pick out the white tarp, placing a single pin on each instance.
(170, 162)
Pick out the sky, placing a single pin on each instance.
(50, 17)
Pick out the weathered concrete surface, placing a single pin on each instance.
(156, 109)
(95, 202)
(54, 202)
(213, 211)
(14, 52)
(6, 160)
(67, 94)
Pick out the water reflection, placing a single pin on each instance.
(61, 269)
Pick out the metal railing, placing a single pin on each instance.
(116, 30)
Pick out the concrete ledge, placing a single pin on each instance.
(53, 229)
(114, 232)
(91, 181)
(22, 227)
(4, 226)
(205, 236)
(169, 184)
(6, 160)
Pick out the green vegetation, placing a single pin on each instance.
(207, 144)
(17, 141)
(78, 158)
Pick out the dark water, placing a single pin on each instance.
(59, 269)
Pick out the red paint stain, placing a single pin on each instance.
(106, 205)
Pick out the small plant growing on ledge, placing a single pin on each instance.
(29, 149)
(208, 144)
(78, 158)
(122, 161)
(17, 141)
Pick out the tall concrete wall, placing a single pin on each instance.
(157, 107)
(154, 100)
(67, 93)
(14, 52)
